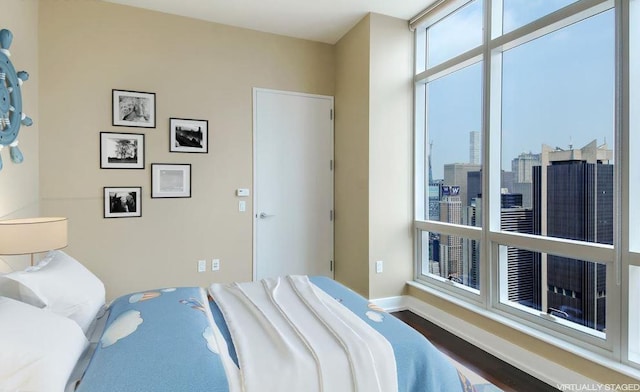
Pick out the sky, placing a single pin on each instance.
(557, 89)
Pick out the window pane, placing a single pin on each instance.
(517, 13)
(575, 290)
(454, 105)
(558, 134)
(451, 257)
(455, 34)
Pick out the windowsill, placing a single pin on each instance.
(582, 352)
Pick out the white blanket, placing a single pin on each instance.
(291, 336)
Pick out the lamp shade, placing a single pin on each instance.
(32, 235)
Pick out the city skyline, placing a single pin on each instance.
(571, 193)
(556, 90)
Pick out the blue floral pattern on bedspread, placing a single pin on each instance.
(162, 340)
(158, 340)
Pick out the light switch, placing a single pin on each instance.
(243, 192)
(242, 206)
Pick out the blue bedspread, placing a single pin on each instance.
(161, 340)
(156, 341)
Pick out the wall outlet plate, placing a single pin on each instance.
(215, 264)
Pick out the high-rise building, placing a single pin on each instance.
(573, 199)
(474, 184)
(522, 168)
(475, 148)
(450, 245)
(523, 272)
(455, 174)
(434, 191)
(434, 199)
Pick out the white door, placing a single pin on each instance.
(293, 189)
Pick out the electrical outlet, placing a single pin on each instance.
(215, 264)
(202, 265)
(379, 266)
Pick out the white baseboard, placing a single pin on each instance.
(531, 363)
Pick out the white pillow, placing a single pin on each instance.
(61, 284)
(39, 348)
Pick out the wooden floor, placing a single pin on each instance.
(494, 370)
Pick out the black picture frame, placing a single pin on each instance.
(188, 135)
(122, 150)
(170, 180)
(122, 202)
(133, 109)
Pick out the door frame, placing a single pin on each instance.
(254, 213)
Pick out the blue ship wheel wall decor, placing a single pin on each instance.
(11, 115)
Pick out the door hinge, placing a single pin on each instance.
(331, 165)
(330, 265)
(331, 215)
(331, 114)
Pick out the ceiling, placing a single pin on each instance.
(323, 20)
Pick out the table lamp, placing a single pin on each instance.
(32, 235)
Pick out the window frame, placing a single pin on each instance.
(615, 343)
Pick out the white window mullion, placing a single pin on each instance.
(474, 233)
(490, 278)
(552, 22)
(450, 66)
(628, 272)
(588, 251)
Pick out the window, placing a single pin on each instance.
(455, 34)
(517, 13)
(572, 292)
(520, 138)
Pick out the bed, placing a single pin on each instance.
(200, 339)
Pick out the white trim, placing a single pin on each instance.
(540, 367)
(470, 232)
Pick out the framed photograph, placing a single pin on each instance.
(170, 180)
(188, 135)
(134, 109)
(121, 150)
(122, 202)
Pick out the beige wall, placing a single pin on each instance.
(19, 183)
(374, 156)
(352, 158)
(197, 70)
(391, 156)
